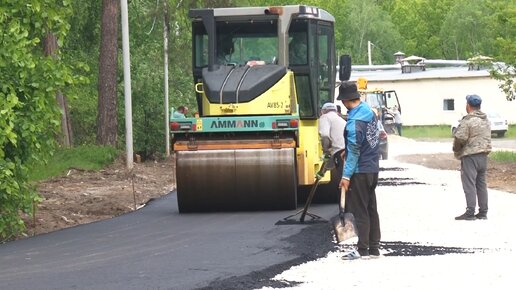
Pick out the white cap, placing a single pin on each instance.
(329, 107)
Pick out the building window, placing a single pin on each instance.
(449, 105)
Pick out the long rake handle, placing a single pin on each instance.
(318, 177)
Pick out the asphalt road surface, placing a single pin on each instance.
(504, 143)
(158, 248)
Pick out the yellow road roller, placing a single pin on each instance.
(261, 75)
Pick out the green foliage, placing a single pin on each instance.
(146, 48)
(506, 75)
(83, 104)
(419, 24)
(82, 47)
(363, 21)
(465, 30)
(85, 157)
(147, 75)
(29, 117)
(503, 22)
(511, 133)
(503, 156)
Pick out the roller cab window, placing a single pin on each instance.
(312, 58)
(238, 43)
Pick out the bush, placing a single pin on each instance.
(29, 116)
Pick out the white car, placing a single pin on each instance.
(499, 125)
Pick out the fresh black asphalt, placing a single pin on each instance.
(158, 248)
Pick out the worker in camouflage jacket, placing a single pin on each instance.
(472, 144)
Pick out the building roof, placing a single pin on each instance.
(429, 73)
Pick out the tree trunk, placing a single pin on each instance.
(50, 48)
(107, 123)
(50, 45)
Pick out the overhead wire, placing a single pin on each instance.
(154, 21)
(385, 53)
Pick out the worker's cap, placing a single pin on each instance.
(348, 91)
(474, 100)
(329, 107)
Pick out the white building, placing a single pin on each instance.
(437, 96)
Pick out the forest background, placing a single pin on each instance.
(61, 77)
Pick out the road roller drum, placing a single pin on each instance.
(236, 180)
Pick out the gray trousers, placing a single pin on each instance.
(473, 175)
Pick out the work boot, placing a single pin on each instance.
(469, 215)
(481, 215)
(375, 253)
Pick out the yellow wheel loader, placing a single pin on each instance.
(261, 76)
(383, 101)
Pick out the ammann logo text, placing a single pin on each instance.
(235, 124)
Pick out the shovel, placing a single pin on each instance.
(344, 224)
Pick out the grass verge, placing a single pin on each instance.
(86, 157)
(442, 131)
(511, 133)
(427, 132)
(503, 156)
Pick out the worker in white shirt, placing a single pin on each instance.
(331, 131)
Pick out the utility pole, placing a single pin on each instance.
(165, 56)
(127, 86)
(369, 44)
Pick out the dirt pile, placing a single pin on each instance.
(81, 197)
(499, 175)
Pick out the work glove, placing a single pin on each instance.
(319, 175)
(324, 168)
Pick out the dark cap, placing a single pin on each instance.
(348, 91)
(474, 100)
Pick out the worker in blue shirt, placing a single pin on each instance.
(360, 175)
